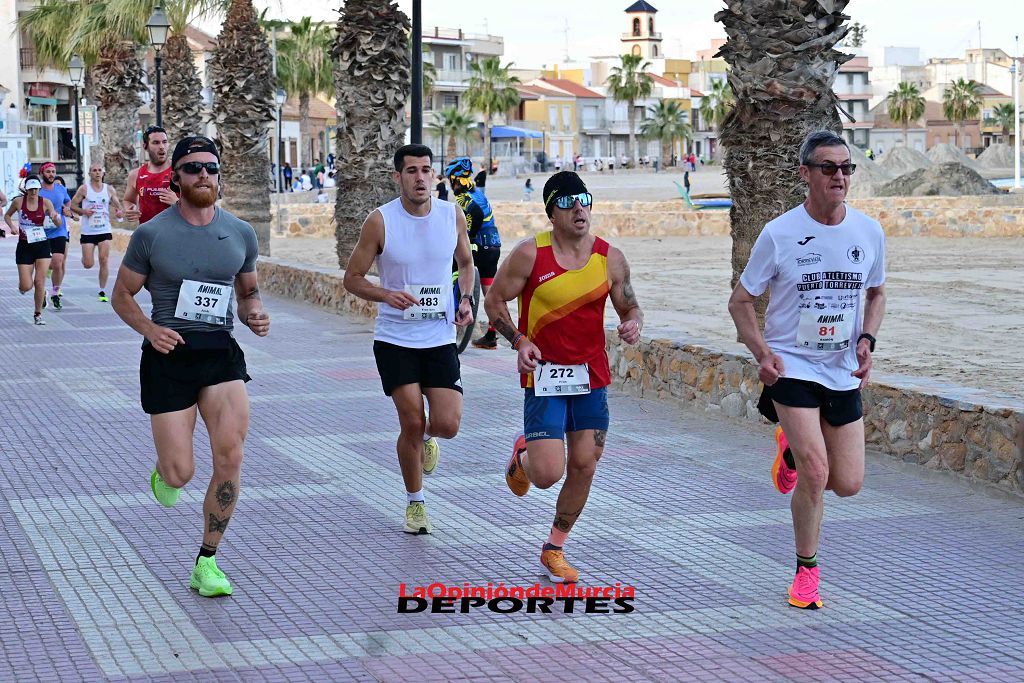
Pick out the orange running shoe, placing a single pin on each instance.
(515, 477)
(803, 592)
(557, 567)
(783, 476)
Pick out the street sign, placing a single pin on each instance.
(88, 124)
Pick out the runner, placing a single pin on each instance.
(483, 233)
(149, 186)
(56, 231)
(414, 337)
(815, 353)
(93, 201)
(562, 279)
(33, 252)
(191, 258)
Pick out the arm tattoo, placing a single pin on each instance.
(505, 327)
(254, 293)
(628, 294)
(226, 495)
(217, 525)
(599, 437)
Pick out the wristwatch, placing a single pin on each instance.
(871, 340)
(472, 301)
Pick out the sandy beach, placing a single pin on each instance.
(954, 305)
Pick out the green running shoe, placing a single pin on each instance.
(431, 454)
(208, 579)
(167, 495)
(416, 520)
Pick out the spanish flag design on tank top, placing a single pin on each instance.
(562, 311)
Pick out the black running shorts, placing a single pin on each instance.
(26, 254)
(58, 245)
(95, 239)
(433, 368)
(486, 261)
(172, 382)
(837, 407)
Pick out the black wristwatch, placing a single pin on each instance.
(472, 302)
(871, 340)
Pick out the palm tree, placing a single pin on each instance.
(716, 104)
(666, 121)
(492, 90)
(242, 79)
(628, 83)
(304, 67)
(780, 98)
(961, 101)
(905, 105)
(453, 125)
(1002, 115)
(429, 78)
(372, 79)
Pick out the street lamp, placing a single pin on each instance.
(416, 132)
(159, 27)
(76, 70)
(1015, 76)
(281, 96)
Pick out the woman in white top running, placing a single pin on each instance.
(93, 201)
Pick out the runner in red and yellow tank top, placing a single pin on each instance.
(149, 186)
(562, 279)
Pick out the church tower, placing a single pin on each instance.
(641, 37)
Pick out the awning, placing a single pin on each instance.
(51, 101)
(513, 132)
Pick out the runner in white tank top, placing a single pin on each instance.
(414, 240)
(94, 201)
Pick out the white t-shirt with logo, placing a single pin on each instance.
(817, 275)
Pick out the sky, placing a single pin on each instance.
(535, 31)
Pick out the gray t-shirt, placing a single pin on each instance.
(168, 250)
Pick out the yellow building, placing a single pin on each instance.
(551, 111)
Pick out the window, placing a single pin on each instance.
(451, 62)
(553, 116)
(39, 140)
(636, 26)
(566, 117)
(650, 26)
(654, 50)
(590, 116)
(449, 100)
(967, 141)
(636, 50)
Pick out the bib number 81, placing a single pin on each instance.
(827, 331)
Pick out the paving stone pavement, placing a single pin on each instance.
(923, 577)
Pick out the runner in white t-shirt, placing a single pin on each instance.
(94, 201)
(824, 263)
(413, 240)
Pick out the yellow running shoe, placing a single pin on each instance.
(167, 495)
(208, 579)
(431, 454)
(557, 567)
(416, 520)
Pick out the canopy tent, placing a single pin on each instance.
(513, 132)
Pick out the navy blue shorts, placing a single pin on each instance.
(550, 417)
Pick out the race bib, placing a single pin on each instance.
(432, 302)
(551, 379)
(204, 302)
(98, 219)
(825, 330)
(35, 233)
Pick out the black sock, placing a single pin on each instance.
(809, 562)
(205, 551)
(551, 546)
(787, 456)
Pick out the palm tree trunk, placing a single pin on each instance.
(372, 81)
(304, 125)
(118, 81)
(452, 147)
(905, 143)
(631, 147)
(666, 152)
(182, 103)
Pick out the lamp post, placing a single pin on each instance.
(416, 133)
(281, 96)
(1015, 76)
(76, 69)
(158, 26)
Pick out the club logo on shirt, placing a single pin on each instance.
(808, 259)
(855, 254)
(805, 240)
(548, 276)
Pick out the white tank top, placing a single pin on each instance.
(417, 257)
(99, 222)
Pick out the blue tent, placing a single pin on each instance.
(513, 132)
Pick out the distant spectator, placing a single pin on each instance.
(558, 164)
(527, 190)
(442, 190)
(481, 179)
(306, 181)
(329, 181)
(286, 172)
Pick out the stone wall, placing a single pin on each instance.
(984, 216)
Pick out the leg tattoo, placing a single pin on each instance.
(218, 525)
(599, 437)
(226, 495)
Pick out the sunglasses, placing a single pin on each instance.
(829, 169)
(194, 167)
(567, 201)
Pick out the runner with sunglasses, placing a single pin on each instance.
(824, 263)
(562, 279)
(149, 186)
(192, 258)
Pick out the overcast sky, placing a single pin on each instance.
(535, 30)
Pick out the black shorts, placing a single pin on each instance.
(172, 381)
(837, 407)
(58, 245)
(95, 239)
(486, 261)
(434, 368)
(26, 254)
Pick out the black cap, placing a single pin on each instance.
(562, 184)
(190, 145)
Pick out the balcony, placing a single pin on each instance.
(28, 58)
(33, 71)
(633, 36)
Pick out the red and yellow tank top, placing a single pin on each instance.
(148, 186)
(562, 311)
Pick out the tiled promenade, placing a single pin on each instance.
(923, 577)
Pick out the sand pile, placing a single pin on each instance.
(901, 160)
(997, 156)
(869, 175)
(945, 153)
(939, 179)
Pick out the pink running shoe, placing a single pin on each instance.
(804, 591)
(783, 476)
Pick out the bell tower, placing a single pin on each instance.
(641, 36)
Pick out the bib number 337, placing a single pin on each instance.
(551, 379)
(203, 301)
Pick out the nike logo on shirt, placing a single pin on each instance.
(222, 237)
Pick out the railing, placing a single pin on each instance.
(28, 58)
(633, 36)
(453, 75)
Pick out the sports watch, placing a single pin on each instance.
(871, 340)
(472, 301)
